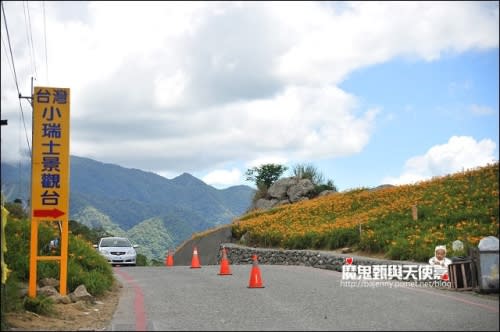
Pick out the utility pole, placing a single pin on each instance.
(30, 100)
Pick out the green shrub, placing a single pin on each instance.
(12, 300)
(318, 189)
(97, 283)
(85, 265)
(16, 210)
(400, 250)
(141, 260)
(342, 237)
(156, 262)
(295, 242)
(41, 305)
(300, 241)
(48, 269)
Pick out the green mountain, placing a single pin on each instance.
(154, 212)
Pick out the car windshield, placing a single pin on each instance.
(115, 243)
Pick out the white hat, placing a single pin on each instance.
(440, 248)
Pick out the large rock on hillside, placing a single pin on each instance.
(279, 189)
(300, 190)
(285, 191)
(264, 204)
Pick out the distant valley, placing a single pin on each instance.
(154, 212)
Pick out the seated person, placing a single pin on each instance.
(54, 244)
(440, 261)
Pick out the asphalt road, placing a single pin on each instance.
(293, 298)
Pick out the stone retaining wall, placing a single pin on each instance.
(320, 259)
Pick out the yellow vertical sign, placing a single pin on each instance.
(50, 175)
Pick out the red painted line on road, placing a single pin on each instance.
(140, 313)
(484, 306)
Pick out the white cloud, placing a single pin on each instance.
(327, 47)
(481, 110)
(299, 123)
(270, 159)
(459, 87)
(223, 178)
(458, 154)
(169, 90)
(173, 87)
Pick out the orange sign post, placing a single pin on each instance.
(50, 176)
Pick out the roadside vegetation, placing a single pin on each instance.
(85, 265)
(462, 206)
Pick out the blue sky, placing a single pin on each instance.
(425, 104)
(367, 92)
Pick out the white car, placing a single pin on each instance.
(117, 250)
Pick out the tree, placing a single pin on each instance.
(265, 175)
(16, 209)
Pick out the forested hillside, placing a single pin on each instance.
(155, 212)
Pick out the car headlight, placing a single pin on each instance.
(105, 252)
(131, 252)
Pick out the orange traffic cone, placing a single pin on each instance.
(224, 264)
(170, 259)
(255, 279)
(195, 261)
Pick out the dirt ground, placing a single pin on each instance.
(79, 316)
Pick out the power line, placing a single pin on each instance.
(15, 75)
(11, 63)
(8, 59)
(10, 48)
(45, 37)
(29, 35)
